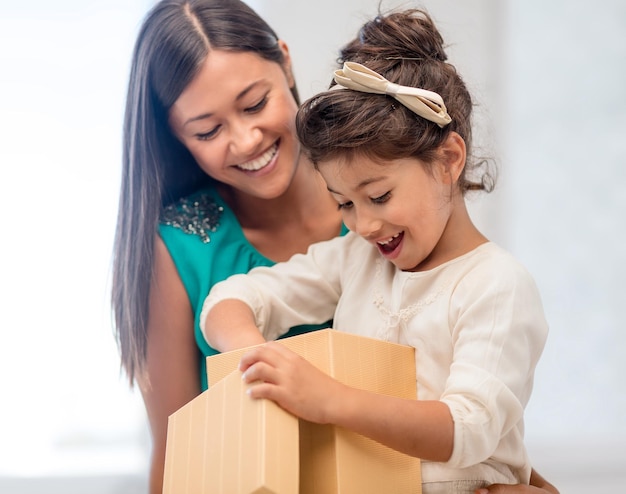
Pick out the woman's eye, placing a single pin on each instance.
(258, 107)
(345, 205)
(381, 199)
(206, 136)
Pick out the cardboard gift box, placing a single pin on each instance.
(294, 456)
(226, 443)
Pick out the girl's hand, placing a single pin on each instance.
(291, 381)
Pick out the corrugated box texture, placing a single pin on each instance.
(224, 442)
(331, 459)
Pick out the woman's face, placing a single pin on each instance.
(237, 118)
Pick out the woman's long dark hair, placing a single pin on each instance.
(173, 42)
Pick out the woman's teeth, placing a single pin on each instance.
(261, 161)
(385, 242)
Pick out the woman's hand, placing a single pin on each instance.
(291, 381)
(516, 489)
(538, 485)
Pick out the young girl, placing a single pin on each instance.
(391, 140)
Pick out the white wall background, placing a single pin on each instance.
(548, 78)
(64, 410)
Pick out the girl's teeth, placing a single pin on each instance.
(261, 161)
(385, 242)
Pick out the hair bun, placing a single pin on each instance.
(410, 34)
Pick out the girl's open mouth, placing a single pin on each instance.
(386, 247)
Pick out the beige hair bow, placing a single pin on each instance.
(426, 104)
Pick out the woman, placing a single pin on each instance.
(213, 184)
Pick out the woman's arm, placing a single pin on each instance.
(172, 362)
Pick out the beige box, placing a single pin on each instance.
(224, 442)
(334, 460)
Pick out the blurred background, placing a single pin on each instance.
(548, 79)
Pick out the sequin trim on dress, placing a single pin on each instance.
(199, 216)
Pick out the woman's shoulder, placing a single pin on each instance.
(205, 240)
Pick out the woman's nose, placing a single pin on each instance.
(245, 140)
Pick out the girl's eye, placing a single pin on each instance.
(345, 205)
(206, 136)
(258, 107)
(381, 199)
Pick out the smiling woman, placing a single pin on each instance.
(209, 139)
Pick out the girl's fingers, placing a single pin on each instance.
(281, 375)
(263, 390)
(258, 371)
(252, 356)
(271, 352)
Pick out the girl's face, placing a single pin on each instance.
(237, 118)
(398, 206)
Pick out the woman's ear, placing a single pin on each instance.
(287, 67)
(453, 154)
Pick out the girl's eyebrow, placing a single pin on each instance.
(245, 91)
(362, 184)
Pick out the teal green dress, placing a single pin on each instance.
(207, 245)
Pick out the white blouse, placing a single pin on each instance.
(476, 322)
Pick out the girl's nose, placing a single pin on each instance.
(367, 224)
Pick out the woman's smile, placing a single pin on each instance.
(260, 162)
